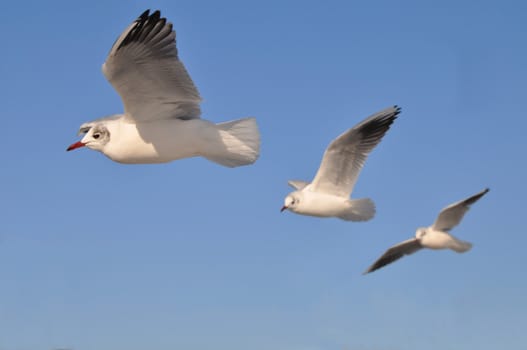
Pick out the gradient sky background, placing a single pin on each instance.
(96, 255)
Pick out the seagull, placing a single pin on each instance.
(161, 120)
(328, 195)
(433, 237)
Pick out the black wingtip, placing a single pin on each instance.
(144, 15)
(156, 16)
(388, 116)
(390, 113)
(484, 192)
(477, 196)
(397, 111)
(143, 25)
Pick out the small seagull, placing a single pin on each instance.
(161, 120)
(433, 237)
(328, 195)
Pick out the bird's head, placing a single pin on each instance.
(292, 201)
(96, 136)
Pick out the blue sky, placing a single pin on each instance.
(96, 255)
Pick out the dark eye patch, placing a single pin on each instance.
(84, 130)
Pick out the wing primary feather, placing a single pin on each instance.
(379, 126)
(139, 22)
(163, 37)
(148, 27)
(144, 15)
(394, 253)
(476, 197)
(158, 26)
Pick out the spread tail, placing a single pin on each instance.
(359, 210)
(239, 143)
(459, 245)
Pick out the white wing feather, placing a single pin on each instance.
(452, 215)
(345, 156)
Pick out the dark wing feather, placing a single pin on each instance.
(396, 252)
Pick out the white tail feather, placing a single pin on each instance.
(359, 210)
(239, 143)
(459, 245)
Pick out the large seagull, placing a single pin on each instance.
(161, 120)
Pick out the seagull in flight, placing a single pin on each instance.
(161, 120)
(328, 195)
(433, 237)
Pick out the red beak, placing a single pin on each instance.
(283, 208)
(76, 145)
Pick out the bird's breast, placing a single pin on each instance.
(322, 205)
(436, 239)
(154, 142)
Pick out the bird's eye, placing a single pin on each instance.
(96, 135)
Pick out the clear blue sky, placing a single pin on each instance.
(96, 255)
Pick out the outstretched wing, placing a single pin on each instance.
(345, 156)
(143, 66)
(451, 216)
(395, 253)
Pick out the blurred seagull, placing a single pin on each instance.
(161, 120)
(433, 237)
(328, 194)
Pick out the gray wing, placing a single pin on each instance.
(345, 156)
(297, 184)
(396, 252)
(143, 66)
(451, 216)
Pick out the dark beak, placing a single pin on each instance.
(75, 146)
(283, 208)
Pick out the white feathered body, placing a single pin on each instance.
(320, 204)
(231, 144)
(435, 239)
(326, 205)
